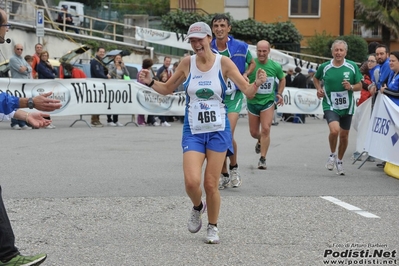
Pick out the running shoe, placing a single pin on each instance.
(340, 169)
(212, 235)
(331, 161)
(195, 221)
(257, 147)
(20, 260)
(262, 163)
(235, 177)
(224, 181)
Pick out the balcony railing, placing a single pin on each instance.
(359, 29)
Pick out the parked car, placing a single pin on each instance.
(108, 58)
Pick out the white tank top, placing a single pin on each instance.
(205, 109)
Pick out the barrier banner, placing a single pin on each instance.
(300, 101)
(100, 96)
(360, 122)
(382, 139)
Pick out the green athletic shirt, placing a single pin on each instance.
(266, 91)
(336, 97)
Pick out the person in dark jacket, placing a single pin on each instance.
(289, 77)
(299, 80)
(98, 70)
(46, 71)
(68, 19)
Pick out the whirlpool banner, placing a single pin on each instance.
(99, 96)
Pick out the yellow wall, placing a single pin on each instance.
(213, 6)
(265, 11)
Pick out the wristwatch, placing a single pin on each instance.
(31, 104)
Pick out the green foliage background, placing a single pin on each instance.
(320, 45)
(247, 30)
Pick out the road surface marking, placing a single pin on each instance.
(350, 207)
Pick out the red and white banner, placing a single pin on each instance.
(382, 139)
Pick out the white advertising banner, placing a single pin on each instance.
(303, 101)
(382, 139)
(360, 122)
(99, 96)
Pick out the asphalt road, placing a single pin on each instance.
(115, 196)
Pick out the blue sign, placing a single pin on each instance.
(39, 17)
(40, 23)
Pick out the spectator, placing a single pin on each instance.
(46, 71)
(36, 59)
(392, 87)
(163, 78)
(98, 70)
(72, 72)
(372, 47)
(299, 79)
(175, 64)
(20, 69)
(117, 70)
(309, 79)
(147, 64)
(29, 60)
(289, 77)
(165, 68)
(373, 67)
(299, 82)
(67, 17)
(364, 95)
(381, 79)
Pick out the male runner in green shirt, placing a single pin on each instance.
(341, 77)
(261, 107)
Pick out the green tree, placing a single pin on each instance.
(320, 45)
(383, 12)
(283, 35)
